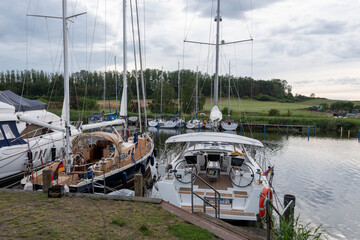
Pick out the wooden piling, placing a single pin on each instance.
(348, 133)
(47, 176)
(138, 185)
(341, 131)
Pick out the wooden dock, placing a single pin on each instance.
(218, 227)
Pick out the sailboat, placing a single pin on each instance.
(195, 123)
(25, 147)
(174, 121)
(213, 172)
(99, 161)
(229, 124)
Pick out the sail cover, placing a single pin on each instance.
(215, 114)
(21, 104)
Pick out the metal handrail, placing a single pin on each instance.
(217, 196)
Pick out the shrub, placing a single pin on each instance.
(274, 112)
(264, 97)
(297, 230)
(225, 111)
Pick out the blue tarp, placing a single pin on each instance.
(21, 103)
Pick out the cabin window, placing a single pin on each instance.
(40, 154)
(45, 153)
(8, 133)
(1, 136)
(35, 156)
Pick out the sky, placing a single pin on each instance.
(313, 45)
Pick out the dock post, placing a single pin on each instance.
(138, 185)
(268, 220)
(264, 131)
(348, 133)
(308, 133)
(289, 204)
(341, 131)
(242, 130)
(46, 179)
(287, 132)
(314, 129)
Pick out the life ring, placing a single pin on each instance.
(265, 195)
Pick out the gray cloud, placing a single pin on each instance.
(344, 81)
(322, 26)
(229, 9)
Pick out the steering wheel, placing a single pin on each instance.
(241, 176)
(183, 169)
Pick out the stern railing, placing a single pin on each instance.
(216, 204)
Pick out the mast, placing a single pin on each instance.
(66, 88)
(196, 90)
(229, 93)
(124, 99)
(217, 19)
(116, 78)
(141, 66)
(161, 90)
(136, 72)
(179, 88)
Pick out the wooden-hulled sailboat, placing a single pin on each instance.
(99, 161)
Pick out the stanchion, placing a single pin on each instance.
(308, 133)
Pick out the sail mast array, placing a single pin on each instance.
(218, 19)
(66, 109)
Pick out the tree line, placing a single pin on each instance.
(37, 84)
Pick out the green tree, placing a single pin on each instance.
(168, 98)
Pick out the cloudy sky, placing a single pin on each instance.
(314, 45)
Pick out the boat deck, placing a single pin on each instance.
(106, 166)
(222, 183)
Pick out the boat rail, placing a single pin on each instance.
(216, 206)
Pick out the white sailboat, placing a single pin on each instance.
(229, 124)
(212, 172)
(195, 123)
(175, 121)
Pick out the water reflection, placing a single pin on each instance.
(322, 172)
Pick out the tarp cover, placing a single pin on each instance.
(15, 100)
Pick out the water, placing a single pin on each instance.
(322, 172)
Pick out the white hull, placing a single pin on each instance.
(237, 183)
(156, 122)
(194, 124)
(229, 126)
(14, 159)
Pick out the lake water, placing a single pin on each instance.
(323, 172)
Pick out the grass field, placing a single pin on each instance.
(257, 112)
(35, 216)
(261, 108)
